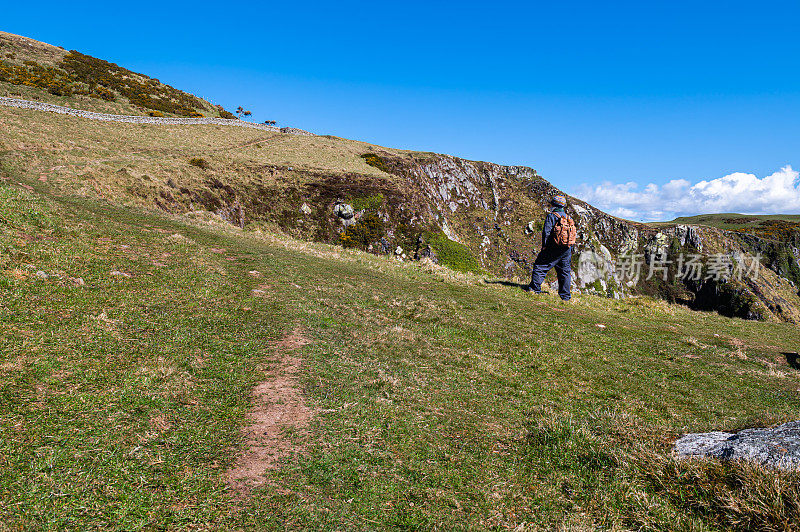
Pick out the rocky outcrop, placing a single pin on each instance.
(777, 447)
(497, 212)
(295, 131)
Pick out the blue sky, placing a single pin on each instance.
(603, 99)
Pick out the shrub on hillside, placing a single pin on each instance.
(156, 114)
(107, 80)
(376, 162)
(361, 234)
(199, 162)
(104, 94)
(225, 114)
(32, 74)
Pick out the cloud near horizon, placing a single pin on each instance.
(778, 193)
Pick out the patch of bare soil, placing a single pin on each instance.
(277, 405)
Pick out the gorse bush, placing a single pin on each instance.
(376, 162)
(781, 230)
(32, 74)
(82, 74)
(225, 114)
(367, 230)
(138, 89)
(104, 94)
(199, 162)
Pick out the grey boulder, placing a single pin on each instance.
(344, 211)
(777, 447)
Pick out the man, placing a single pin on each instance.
(558, 236)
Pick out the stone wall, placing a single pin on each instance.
(40, 106)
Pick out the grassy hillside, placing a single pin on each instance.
(131, 342)
(465, 214)
(734, 221)
(34, 70)
(291, 183)
(161, 306)
(780, 227)
(771, 235)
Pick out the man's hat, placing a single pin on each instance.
(561, 201)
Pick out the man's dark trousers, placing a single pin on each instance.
(558, 257)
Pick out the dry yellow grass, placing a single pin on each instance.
(63, 145)
(41, 52)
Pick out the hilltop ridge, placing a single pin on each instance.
(34, 70)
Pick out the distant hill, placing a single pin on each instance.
(734, 221)
(779, 227)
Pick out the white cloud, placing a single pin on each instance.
(737, 192)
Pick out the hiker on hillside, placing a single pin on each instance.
(558, 237)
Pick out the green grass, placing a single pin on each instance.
(368, 203)
(442, 402)
(453, 254)
(733, 221)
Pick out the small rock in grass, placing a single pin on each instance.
(601, 326)
(255, 273)
(41, 275)
(116, 273)
(177, 237)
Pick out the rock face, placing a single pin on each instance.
(778, 447)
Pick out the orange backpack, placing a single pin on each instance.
(564, 232)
